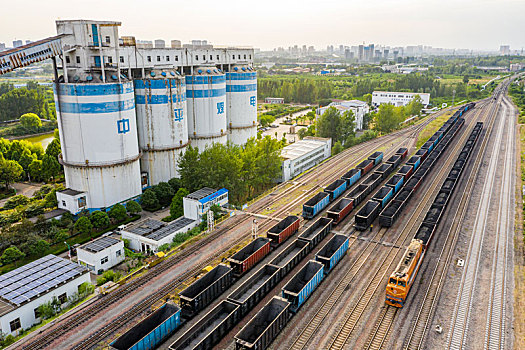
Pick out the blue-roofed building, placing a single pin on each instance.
(24, 289)
(198, 203)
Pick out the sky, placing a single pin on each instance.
(470, 24)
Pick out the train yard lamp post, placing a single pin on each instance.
(453, 97)
(254, 229)
(69, 250)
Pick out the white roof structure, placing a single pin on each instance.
(300, 148)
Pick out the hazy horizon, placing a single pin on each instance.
(475, 25)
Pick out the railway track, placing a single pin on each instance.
(335, 165)
(301, 341)
(344, 331)
(459, 324)
(414, 339)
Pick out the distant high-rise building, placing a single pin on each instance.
(28, 42)
(385, 53)
(2, 46)
(330, 48)
(504, 50)
(160, 44)
(311, 49)
(176, 44)
(17, 43)
(361, 53)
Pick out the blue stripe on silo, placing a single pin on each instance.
(206, 79)
(158, 99)
(95, 108)
(241, 88)
(94, 90)
(156, 84)
(205, 93)
(241, 76)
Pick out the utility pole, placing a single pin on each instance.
(254, 229)
(453, 97)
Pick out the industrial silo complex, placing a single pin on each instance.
(241, 99)
(127, 111)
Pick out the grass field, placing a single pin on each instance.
(431, 128)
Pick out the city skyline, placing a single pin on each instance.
(475, 25)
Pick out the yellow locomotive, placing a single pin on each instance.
(404, 275)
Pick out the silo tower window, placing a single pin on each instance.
(110, 59)
(244, 56)
(78, 59)
(196, 57)
(217, 57)
(167, 58)
(176, 58)
(158, 58)
(211, 57)
(121, 59)
(67, 59)
(239, 56)
(149, 58)
(108, 39)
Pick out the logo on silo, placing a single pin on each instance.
(178, 112)
(123, 126)
(220, 108)
(252, 101)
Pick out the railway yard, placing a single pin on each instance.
(461, 291)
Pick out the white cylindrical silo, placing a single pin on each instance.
(162, 123)
(98, 135)
(206, 100)
(241, 99)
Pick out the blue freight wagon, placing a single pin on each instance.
(332, 252)
(428, 145)
(302, 285)
(377, 157)
(384, 195)
(395, 182)
(414, 161)
(315, 204)
(335, 189)
(351, 177)
(151, 331)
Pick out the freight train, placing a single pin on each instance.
(402, 279)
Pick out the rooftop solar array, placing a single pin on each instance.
(100, 244)
(169, 229)
(146, 227)
(37, 277)
(199, 194)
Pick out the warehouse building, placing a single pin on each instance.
(359, 108)
(24, 289)
(302, 155)
(398, 98)
(198, 203)
(149, 235)
(101, 254)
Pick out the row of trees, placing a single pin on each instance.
(28, 239)
(31, 99)
(294, 90)
(388, 117)
(244, 170)
(21, 159)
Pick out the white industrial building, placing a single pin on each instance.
(304, 154)
(71, 200)
(398, 98)
(24, 289)
(150, 234)
(359, 108)
(198, 203)
(101, 254)
(126, 112)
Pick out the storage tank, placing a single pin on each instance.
(98, 136)
(206, 101)
(162, 123)
(241, 99)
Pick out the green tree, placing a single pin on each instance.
(19, 101)
(10, 255)
(465, 79)
(35, 170)
(83, 225)
(175, 184)
(329, 124)
(190, 170)
(50, 167)
(164, 193)
(99, 219)
(10, 171)
(31, 122)
(415, 106)
(347, 126)
(133, 208)
(15, 201)
(53, 149)
(386, 119)
(266, 120)
(61, 236)
(338, 148)
(149, 200)
(118, 213)
(176, 207)
(39, 248)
